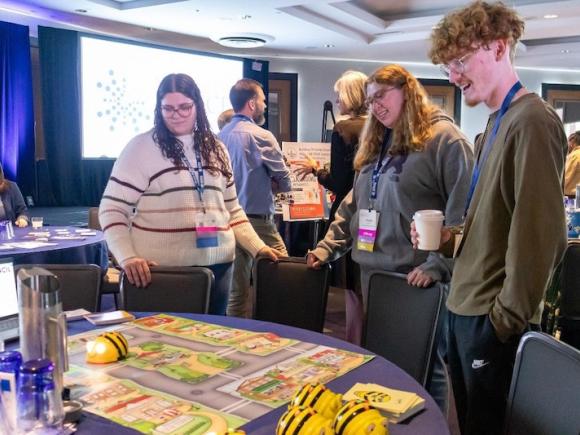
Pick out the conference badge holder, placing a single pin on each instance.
(367, 229)
(206, 230)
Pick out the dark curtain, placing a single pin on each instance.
(16, 106)
(73, 180)
(59, 65)
(259, 71)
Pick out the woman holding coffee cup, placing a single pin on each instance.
(411, 157)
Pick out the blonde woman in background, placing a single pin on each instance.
(350, 98)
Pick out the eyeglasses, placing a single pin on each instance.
(456, 65)
(372, 99)
(182, 110)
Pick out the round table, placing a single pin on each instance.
(430, 421)
(90, 250)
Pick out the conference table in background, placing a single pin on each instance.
(90, 250)
(429, 421)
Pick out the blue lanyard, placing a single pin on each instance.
(377, 170)
(489, 141)
(198, 180)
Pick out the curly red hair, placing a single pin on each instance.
(480, 23)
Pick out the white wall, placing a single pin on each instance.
(316, 79)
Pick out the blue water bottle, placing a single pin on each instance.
(40, 409)
(10, 361)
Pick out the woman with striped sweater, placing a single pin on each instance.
(171, 198)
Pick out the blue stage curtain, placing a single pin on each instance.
(259, 71)
(59, 64)
(16, 106)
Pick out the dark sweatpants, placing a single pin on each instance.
(481, 368)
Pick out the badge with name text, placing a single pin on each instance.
(206, 230)
(367, 230)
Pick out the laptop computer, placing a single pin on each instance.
(9, 305)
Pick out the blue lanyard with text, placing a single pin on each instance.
(198, 181)
(377, 170)
(489, 141)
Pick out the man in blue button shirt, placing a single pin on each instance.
(259, 172)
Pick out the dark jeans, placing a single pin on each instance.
(481, 369)
(218, 300)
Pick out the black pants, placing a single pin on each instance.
(481, 368)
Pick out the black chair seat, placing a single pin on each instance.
(172, 289)
(402, 323)
(289, 293)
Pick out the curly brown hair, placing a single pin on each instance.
(214, 157)
(413, 128)
(480, 23)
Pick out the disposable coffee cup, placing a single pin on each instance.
(428, 224)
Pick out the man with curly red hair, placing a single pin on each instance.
(514, 227)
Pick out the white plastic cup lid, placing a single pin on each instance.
(429, 215)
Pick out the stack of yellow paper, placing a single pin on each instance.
(396, 405)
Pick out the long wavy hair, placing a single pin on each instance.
(413, 128)
(213, 156)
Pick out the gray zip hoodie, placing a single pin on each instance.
(437, 178)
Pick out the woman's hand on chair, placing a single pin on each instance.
(137, 271)
(418, 278)
(313, 262)
(270, 253)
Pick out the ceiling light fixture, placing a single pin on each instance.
(565, 51)
(329, 45)
(243, 40)
(550, 16)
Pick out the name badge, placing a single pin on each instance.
(368, 221)
(206, 230)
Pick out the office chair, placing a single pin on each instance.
(569, 320)
(79, 283)
(402, 323)
(544, 394)
(172, 289)
(289, 293)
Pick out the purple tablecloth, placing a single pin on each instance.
(429, 421)
(91, 250)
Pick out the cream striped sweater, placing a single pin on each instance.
(149, 207)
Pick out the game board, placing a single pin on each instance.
(185, 376)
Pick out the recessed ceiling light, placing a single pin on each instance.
(550, 16)
(242, 40)
(565, 51)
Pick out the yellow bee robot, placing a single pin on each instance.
(319, 398)
(108, 347)
(357, 418)
(303, 421)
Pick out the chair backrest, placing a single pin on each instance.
(94, 219)
(289, 293)
(172, 289)
(545, 390)
(402, 323)
(79, 283)
(570, 296)
(570, 302)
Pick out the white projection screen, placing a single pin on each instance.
(118, 85)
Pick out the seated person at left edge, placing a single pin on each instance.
(12, 206)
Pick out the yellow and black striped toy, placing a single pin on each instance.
(303, 421)
(319, 398)
(106, 348)
(358, 418)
